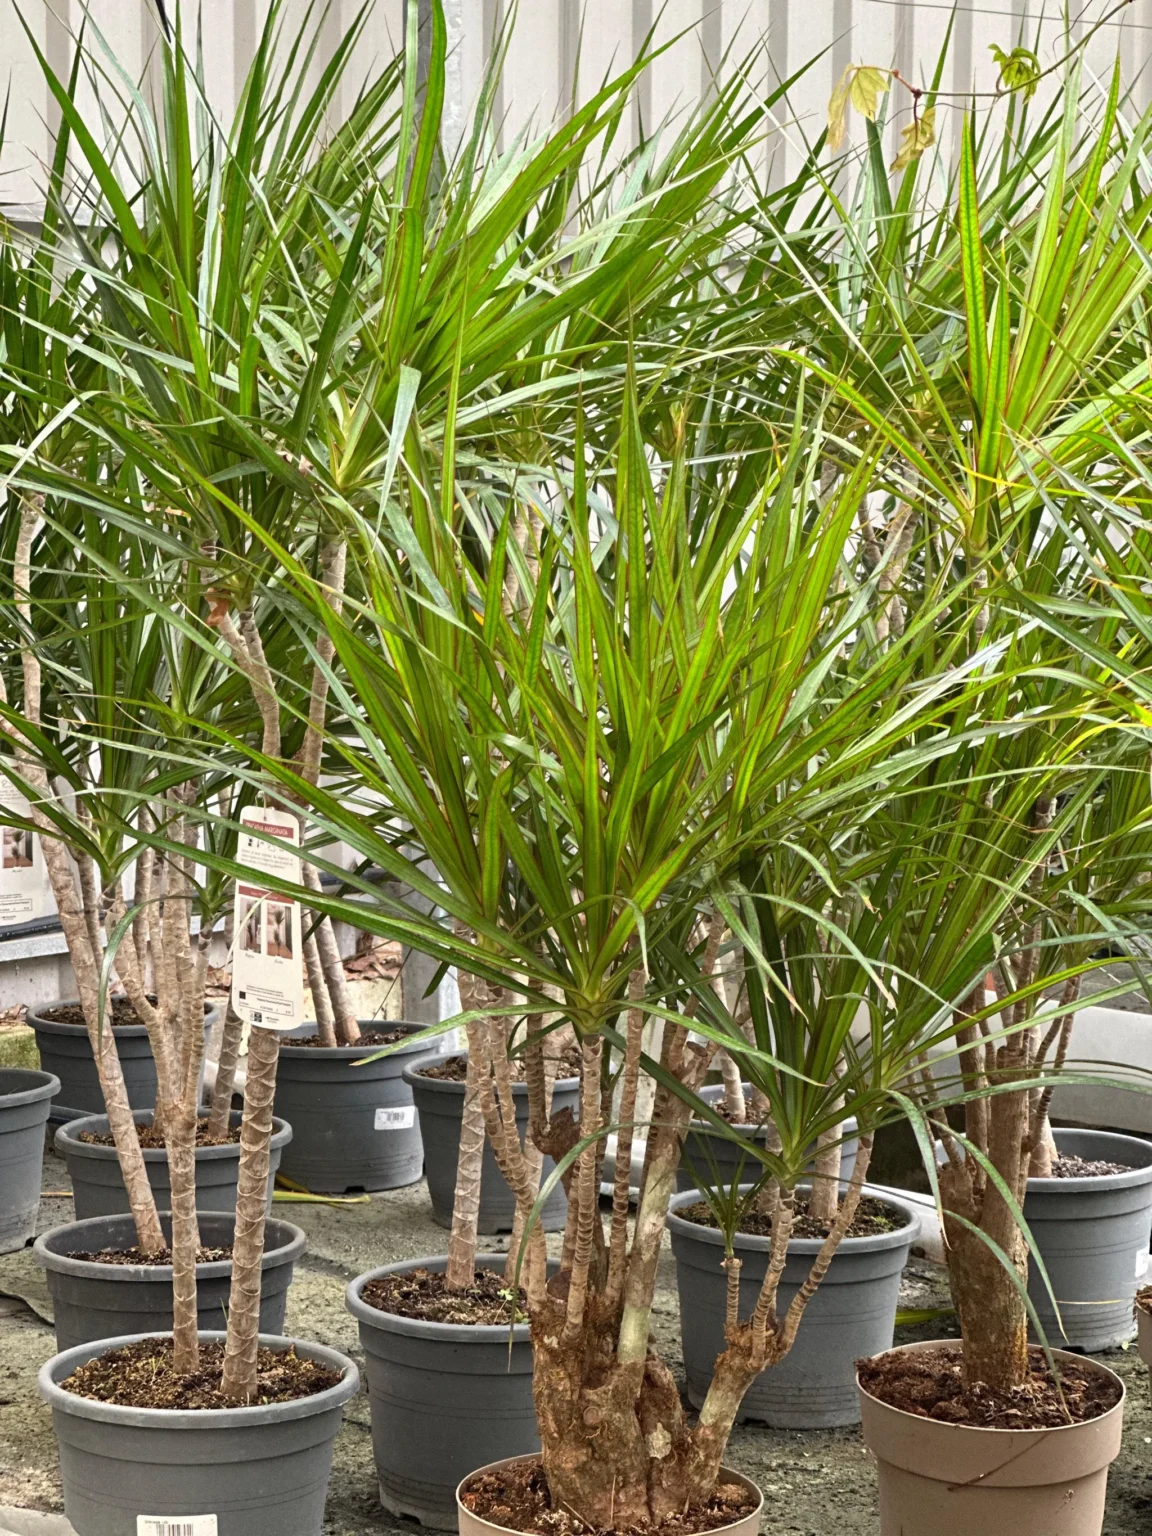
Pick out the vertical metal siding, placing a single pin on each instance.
(551, 35)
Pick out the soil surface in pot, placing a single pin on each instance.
(130, 1256)
(367, 1037)
(1144, 1299)
(1083, 1168)
(872, 1217)
(454, 1069)
(153, 1139)
(120, 1008)
(517, 1497)
(423, 1293)
(140, 1375)
(929, 1383)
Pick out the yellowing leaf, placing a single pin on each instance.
(919, 135)
(868, 85)
(861, 86)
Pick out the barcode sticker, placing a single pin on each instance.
(400, 1119)
(1143, 1258)
(175, 1525)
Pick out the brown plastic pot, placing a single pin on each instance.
(952, 1479)
(472, 1525)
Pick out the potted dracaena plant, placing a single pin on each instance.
(1039, 366)
(615, 1443)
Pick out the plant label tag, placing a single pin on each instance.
(175, 1525)
(267, 943)
(23, 884)
(402, 1118)
(1143, 1259)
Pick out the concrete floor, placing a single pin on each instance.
(816, 1483)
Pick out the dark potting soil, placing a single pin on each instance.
(872, 1217)
(454, 1069)
(140, 1375)
(929, 1383)
(152, 1138)
(373, 1037)
(1083, 1168)
(517, 1497)
(130, 1256)
(1144, 1299)
(121, 1010)
(421, 1293)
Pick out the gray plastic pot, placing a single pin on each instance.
(472, 1525)
(66, 1050)
(25, 1099)
(261, 1471)
(704, 1145)
(98, 1188)
(353, 1128)
(445, 1398)
(940, 1479)
(1093, 1237)
(440, 1104)
(852, 1314)
(101, 1301)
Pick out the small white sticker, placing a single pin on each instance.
(1143, 1259)
(175, 1525)
(401, 1119)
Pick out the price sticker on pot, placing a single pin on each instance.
(176, 1525)
(23, 884)
(1143, 1259)
(267, 945)
(400, 1118)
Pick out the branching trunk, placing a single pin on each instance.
(239, 1380)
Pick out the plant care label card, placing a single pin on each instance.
(267, 949)
(175, 1525)
(23, 883)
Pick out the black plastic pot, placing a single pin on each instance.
(852, 1314)
(98, 1188)
(101, 1301)
(1093, 1235)
(706, 1149)
(353, 1128)
(25, 1098)
(66, 1050)
(260, 1471)
(440, 1105)
(446, 1398)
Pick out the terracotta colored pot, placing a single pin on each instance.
(953, 1480)
(471, 1525)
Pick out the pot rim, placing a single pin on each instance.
(414, 1074)
(47, 1086)
(53, 1371)
(67, 1139)
(352, 1053)
(1096, 1183)
(423, 1327)
(511, 1461)
(289, 1251)
(986, 1429)
(875, 1242)
(126, 1031)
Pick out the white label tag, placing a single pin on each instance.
(267, 944)
(23, 886)
(403, 1118)
(1143, 1259)
(175, 1525)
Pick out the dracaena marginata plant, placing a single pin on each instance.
(601, 772)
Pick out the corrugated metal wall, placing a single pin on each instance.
(550, 35)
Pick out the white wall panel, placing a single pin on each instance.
(543, 51)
